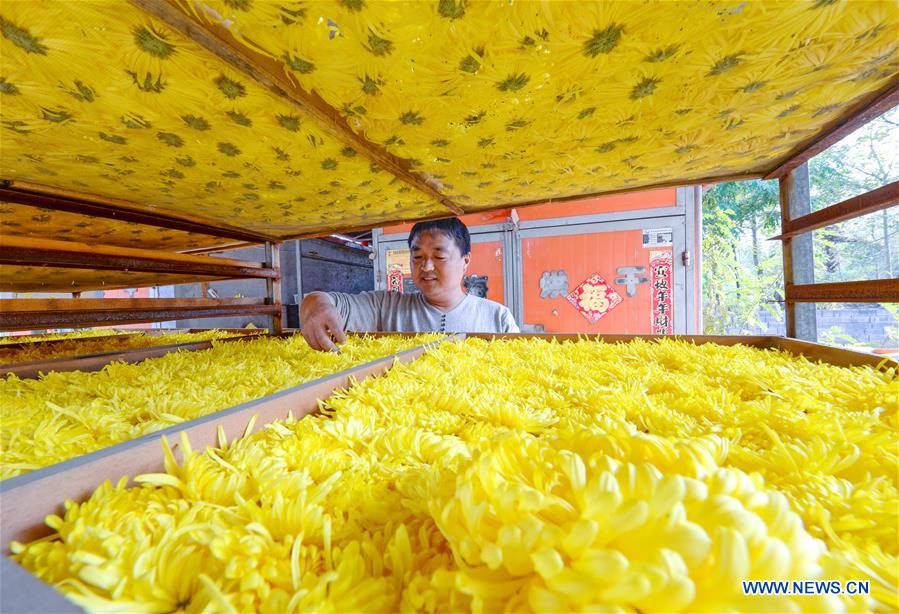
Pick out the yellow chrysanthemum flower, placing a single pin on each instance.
(67, 414)
(566, 477)
(95, 342)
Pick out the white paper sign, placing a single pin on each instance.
(658, 237)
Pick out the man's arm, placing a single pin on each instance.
(321, 321)
(508, 324)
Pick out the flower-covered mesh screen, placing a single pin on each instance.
(506, 102)
(26, 221)
(100, 98)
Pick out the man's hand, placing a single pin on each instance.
(321, 323)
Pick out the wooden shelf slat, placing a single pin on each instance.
(854, 207)
(71, 254)
(870, 291)
(47, 197)
(29, 314)
(18, 305)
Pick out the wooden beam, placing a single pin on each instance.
(869, 202)
(869, 291)
(25, 251)
(273, 76)
(830, 354)
(35, 195)
(219, 248)
(17, 305)
(29, 314)
(870, 108)
(787, 249)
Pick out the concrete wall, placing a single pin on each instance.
(865, 324)
(310, 265)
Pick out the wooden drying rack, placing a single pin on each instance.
(30, 314)
(798, 221)
(28, 498)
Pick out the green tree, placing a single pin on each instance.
(863, 248)
(743, 272)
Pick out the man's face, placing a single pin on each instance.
(437, 265)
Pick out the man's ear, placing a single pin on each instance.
(466, 261)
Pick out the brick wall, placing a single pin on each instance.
(865, 324)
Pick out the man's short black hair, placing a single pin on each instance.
(452, 226)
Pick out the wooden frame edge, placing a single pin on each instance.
(25, 314)
(851, 208)
(840, 357)
(866, 291)
(25, 251)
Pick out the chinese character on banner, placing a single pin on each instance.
(661, 267)
(397, 269)
(394, 279)
(594, 298)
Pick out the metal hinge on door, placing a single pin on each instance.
(685, 258)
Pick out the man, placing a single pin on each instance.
(440, 255)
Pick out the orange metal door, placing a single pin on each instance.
(601, 249)
(487, 264)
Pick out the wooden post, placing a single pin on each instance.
(273, 285)
(798, 254)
